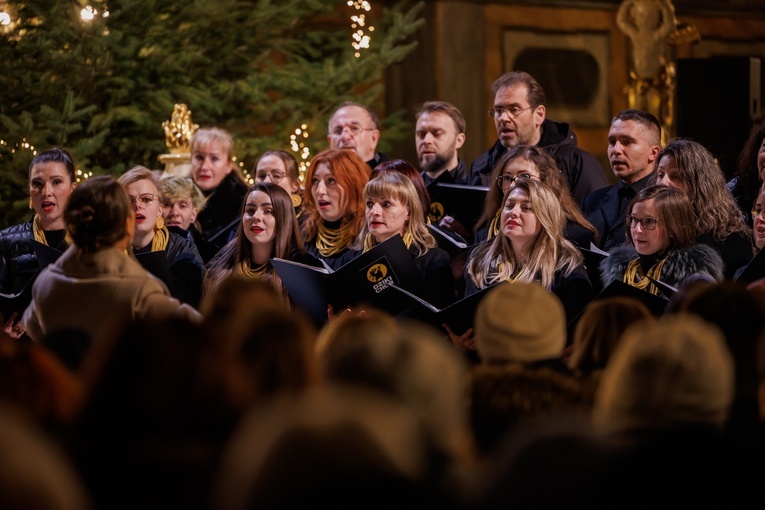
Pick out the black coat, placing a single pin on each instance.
(186, 266)
(220, 217)
(580, 168)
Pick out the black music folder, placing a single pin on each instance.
(451, 242)
(365, 280)
(458, 316)
(464, 203)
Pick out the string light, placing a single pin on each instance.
(361, 39)
(5, 19)
(88, 13)
(302, 150)
(83, 176)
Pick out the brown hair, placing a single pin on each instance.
(599, 330)
(713, 205)
(97, 212)
(406, 168)
(444, 107)
(535, 92)
(674, 212)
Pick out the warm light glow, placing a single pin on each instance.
(5, 19)
(302, 151)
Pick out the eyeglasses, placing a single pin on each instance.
(275, 176)
(503, 181)
(645, 223)
(145, 199)
(355, 130)
(512, 111)
(756, 213)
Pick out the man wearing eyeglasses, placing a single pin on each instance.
(356, 127)
(519, 115)
(633, 146)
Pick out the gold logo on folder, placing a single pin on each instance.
(436, 211)
(377, 272)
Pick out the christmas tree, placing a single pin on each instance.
(99, 79)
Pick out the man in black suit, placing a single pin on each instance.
(633, 146)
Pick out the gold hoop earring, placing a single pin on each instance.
(297, 200)
(160, 222)
(31, 205)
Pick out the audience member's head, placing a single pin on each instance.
(520, 322)
(599, 331)
(34, 473)
(675, 373)
(338, 448)
(409, 363)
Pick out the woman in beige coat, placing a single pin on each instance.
(95, 287)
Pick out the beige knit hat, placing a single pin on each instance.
(520, 322)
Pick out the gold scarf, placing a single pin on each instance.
(160, 240)
(370, 242)
(39, 233)
(634, 277)
(330, 242)
(249, 272)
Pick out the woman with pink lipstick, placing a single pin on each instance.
(393, 207)
(152, 235)
(182, 201)
(662, 244)
(334, 205)
(268, 229)
(51, 181)
(214, 172)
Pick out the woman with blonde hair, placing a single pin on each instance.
(719, 223)
(532, 163)
(530, 246)
(268, 229)
(152, 235)
(214, 172)
(394, 207)
(334, 206)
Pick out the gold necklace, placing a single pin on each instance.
(246, 270)
(634, 277)
(370, 241)
(330, 242)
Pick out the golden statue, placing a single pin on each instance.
(652, 28)
(178, 131)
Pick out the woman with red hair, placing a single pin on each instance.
(334, 205)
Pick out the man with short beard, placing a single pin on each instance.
(439, 134)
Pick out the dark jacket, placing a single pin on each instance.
(457, 175)
(186, 266)
(582, 171)
(681, 264)
(606, 209)
(220, 217)
(736, 250)
(18, 263)
(435, 267)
